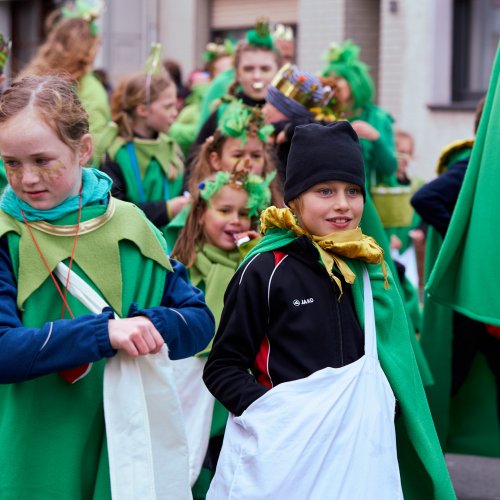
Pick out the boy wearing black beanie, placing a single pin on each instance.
(313, 349)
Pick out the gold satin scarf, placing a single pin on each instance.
(352, 244)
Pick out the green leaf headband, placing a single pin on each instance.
(260, 36)
(87, 10)
(241, 122)
(257, 188)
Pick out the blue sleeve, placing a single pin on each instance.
(436, 201)
(183, 319)
(26, 353)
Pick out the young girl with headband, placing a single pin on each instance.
(146, 165)
(240, 141)
(71, 257)
(224, 211)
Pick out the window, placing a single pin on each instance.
(476, 32)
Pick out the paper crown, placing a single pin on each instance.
(299, 86)
(4, 51)
(241, 121)
(89, 10)
(257, 188)
(215, 50)
(282, 32)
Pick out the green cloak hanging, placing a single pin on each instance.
(466, 278)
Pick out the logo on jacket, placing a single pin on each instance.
(303, 302)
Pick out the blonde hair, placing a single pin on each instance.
(70, 48)
(132, 91)
(55, 99)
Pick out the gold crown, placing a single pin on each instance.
(296, 90)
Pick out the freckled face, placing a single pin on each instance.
(41, 169)
(329, 207)
(226, 216)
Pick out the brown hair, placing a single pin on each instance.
(130, 93)
(245, 46)
(55, 99)
(70, 48)
(202, 168)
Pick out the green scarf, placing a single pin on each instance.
(214, 269)
(95, 188)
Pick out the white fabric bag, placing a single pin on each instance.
(328, 436)
(146, 438)
(197, 406)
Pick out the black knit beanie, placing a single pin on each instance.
(320, 153)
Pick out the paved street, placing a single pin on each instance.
(475, 478)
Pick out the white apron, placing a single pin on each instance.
(145, 434)
(328, 436)
(197, 406)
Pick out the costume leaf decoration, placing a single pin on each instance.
(260, 36)
(89, 10)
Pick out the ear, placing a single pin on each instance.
(86, 149)
(141, 110)
(214, 160)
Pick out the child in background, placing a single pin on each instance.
(52, 349)
(240, 139)
(224, 211)
(295, 357)
(145, 164)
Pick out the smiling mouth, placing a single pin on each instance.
(339, 220)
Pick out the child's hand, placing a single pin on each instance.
(175, 205)
(251, 235)
(396, 243)
(137, 336)
(365, 130)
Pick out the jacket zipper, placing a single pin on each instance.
(339, 323)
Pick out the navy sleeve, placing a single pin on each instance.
(26, 353)
(242, 329)
(183, 319)
(436, 201)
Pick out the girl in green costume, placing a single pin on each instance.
(53, 349)
(294, 360)
(225, 211)
(241, 138)
(146, 165)
(71, 48)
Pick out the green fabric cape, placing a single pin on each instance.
(465, 278)
(423, 469)
(52, 434)
(218, 88)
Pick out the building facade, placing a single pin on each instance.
(430, 59)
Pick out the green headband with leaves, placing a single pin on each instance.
(257, 188)
(85, 9)
(241, 122)
(260, 36)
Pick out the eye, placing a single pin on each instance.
(244, 213)
(256, 156)
(353, 191)
(42, 161)
(325, 191)
(11, 163)
(223, 211)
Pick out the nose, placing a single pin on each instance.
(340, 202)
(30, 175)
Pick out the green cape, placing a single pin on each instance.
(218, 88)
(423, 469)
(465, 278)
(52, 434)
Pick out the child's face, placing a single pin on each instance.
(343, 90)
(329, 207)
(272, 114)
(226, 216)
(255, 71)
(162, 112)
(235, 152)
(42, 170)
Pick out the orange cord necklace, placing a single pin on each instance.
(63, 296)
